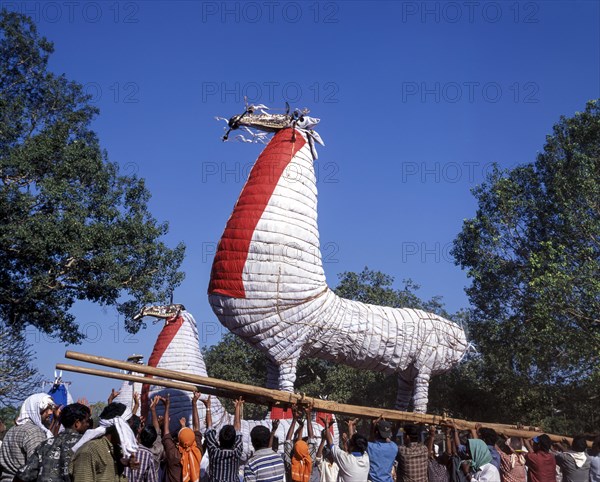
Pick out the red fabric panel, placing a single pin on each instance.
(232, 252)
(164, 339)
(278, 413)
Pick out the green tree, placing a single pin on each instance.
(18, 378)
(71, 226)
(533, 254)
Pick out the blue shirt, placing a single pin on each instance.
(382, 455)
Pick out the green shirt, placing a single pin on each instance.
(95, 462)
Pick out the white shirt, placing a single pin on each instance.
(487, 473)
(329, 472)
(351, 467)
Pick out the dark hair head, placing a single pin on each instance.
(74, 412)
(579, 443)
(544, 442)
(359, 443)
(148, 436)
(227, 437)
(113, 410)
(259, 436)
(488, 435)
(463, 436)
(412, 431)
(135, 423)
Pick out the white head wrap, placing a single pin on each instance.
(128, 443)
(579, 458)
(32, 408)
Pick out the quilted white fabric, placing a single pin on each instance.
(268, 287)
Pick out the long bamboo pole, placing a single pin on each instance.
(186, 387)
(234, 389)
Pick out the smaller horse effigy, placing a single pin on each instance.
(177, 347)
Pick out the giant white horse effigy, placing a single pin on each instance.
(268, 286)
(177, 347)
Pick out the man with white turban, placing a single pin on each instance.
(102, 453)
(29, 432)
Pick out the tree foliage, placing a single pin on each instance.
(533, 254)
(18, 378)
(71, 226)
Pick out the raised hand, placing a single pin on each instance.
(274, 425)
(182, 422)
(113, 394)
(352, 422)
(196, 397)
(206, 402)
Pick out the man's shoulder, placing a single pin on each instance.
(413, 448)
(93, 445)
(265, 455)
(382, 446)
(25, 428)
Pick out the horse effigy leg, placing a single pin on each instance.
(421, 393)
(406, 387)
(287, 374)
(272, 375)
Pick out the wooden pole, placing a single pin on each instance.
(234, 389)
(186, 387)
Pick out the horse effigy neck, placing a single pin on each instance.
(273, 227)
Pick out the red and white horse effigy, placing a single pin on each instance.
(268, 285)
(178, 348)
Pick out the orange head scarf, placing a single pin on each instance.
(190, 455)
(301, 462)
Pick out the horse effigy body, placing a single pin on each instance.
(268, 285)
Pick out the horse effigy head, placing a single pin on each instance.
(256, 117)
(163, 312)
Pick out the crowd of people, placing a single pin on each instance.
(60, 444)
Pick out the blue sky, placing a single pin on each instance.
(416, 100)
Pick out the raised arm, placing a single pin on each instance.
(237, 418)
(167, 401)
(206, 403)
(321, 446)
(326, 433)
(352, 426)
(447, 433)
(113, 394)
(290, 432)
(430, 441)
(309, 426)
(195, 421)
(136, 402)
(528, 445)
(475, 431)
(153, 405)
(55, 424)
(374, 423)
(274, 427)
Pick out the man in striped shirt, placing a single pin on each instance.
(224, 455)
(265, 465)
(147, 470)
